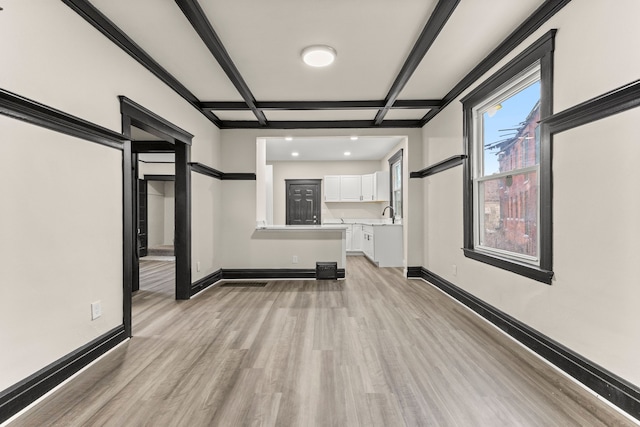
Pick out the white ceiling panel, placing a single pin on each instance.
(161, 29)
(406, 114)
(278, 115)
(235, 115)
(474, 29)
(372, 38)
(330, 148)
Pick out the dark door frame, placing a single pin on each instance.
(174, 139)
(289, 182)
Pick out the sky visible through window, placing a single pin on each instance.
(514, 111)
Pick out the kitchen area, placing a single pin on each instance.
(361, 185)
(379, 239)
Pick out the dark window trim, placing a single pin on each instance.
(392, 160)
(541, 50)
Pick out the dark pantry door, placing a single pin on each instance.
(303, 201)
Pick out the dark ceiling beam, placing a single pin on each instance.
(202, 26)
(319, 124)
(321, 105)
(117, 36)
(528, 27)
(436, 23)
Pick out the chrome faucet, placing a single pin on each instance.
(393, 217)
(342, 220)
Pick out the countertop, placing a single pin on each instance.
(322, 227)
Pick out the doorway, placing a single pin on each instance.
(303, 202)
(150, 133)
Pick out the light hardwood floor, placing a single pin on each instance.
(372, 350)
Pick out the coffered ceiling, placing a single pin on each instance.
(239, 63)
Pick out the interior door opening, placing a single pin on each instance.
(159, 152)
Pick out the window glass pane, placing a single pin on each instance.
(510, 220)
(509, 131)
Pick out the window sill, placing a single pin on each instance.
(525, 270)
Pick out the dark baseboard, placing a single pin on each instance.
(257, 273)
(205, 282)
(274, 273)
(27, 391)
(616, 390)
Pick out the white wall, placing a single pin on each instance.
(317, 170)
(53, 56)
(206, 239)
(155, 213)
(238, 150)
(591, 307)
(60, 245)
(169, 212)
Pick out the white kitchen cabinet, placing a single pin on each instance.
(349, 242)
(367, 242)
(382, 244)
(356, 237)
(332, 188)
(350, 188)
(375, 187)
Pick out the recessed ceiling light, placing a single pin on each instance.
(354, 138)
(347, 153)
(288, 138)
(295, 154)
(318, 55)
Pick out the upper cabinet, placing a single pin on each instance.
(373, 187)
(350, 188)
(332, 188)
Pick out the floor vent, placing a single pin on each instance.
(327, 270)
(244, 284)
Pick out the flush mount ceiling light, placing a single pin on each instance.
(347, 153)
(354, 138)
(288, 138)
(295, 154)
(318, 55)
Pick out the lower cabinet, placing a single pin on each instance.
(382, 244)
(356, 237)
(367, 241)
(349, 238)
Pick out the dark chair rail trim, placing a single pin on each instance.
(616, 101)
(33, 112)
(616, 390)
(215, 173)
(441, 166)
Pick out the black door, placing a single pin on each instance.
(303, 201)
(142, 218)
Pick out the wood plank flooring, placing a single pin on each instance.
(372, 350)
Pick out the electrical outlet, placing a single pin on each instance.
(198, 266)
(96, 310)
(454, 269)
(294, 260)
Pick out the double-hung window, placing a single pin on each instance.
(508, 167)
(395, 166)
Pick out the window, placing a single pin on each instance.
(508, 169)
(395, 167)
